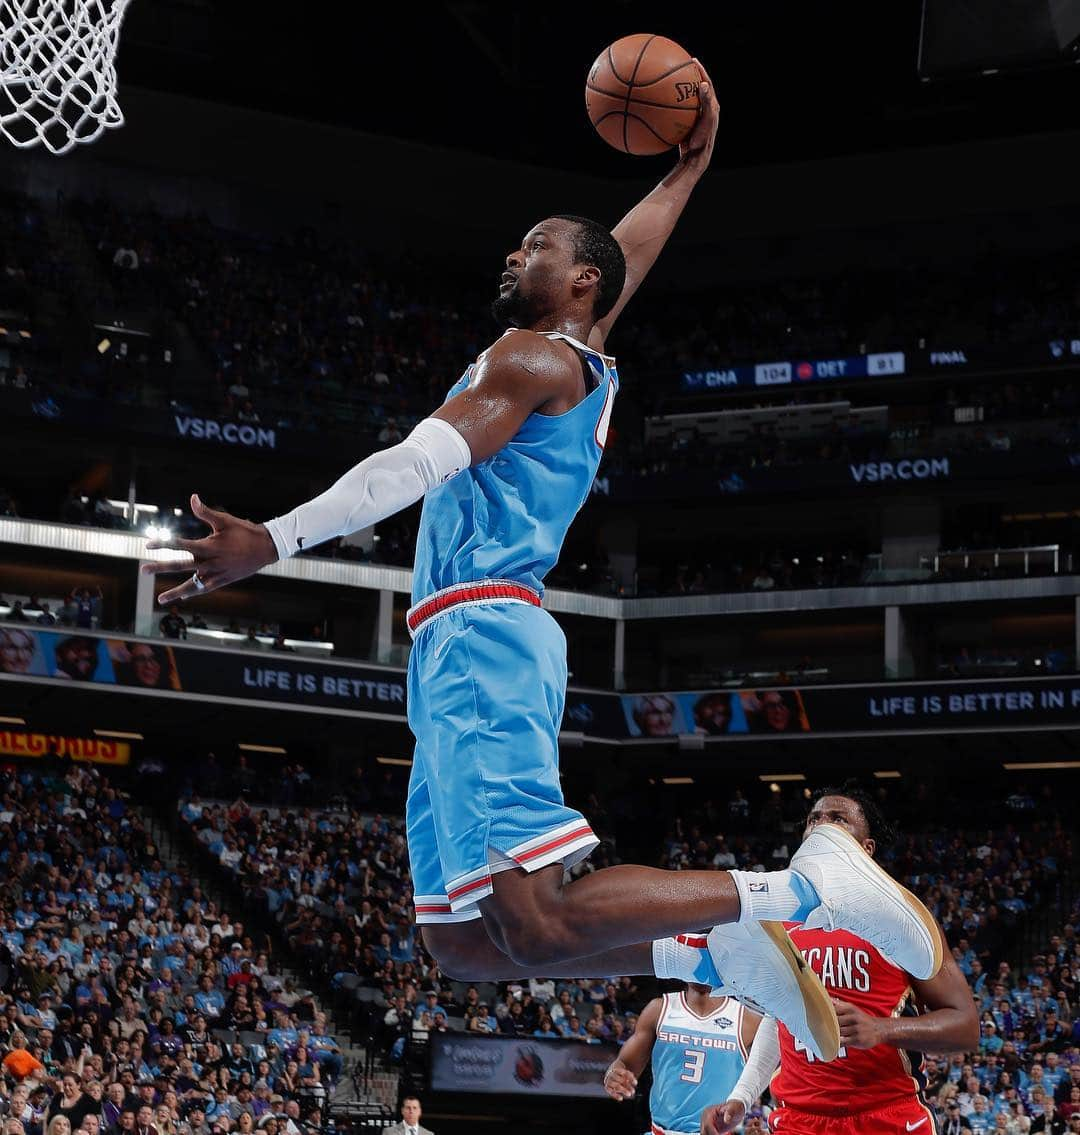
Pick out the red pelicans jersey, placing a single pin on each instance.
(859, 1079)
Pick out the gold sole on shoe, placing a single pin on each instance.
(820, 1014)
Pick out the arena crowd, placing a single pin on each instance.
(129, 1002)
(337, 883)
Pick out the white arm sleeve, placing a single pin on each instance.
(382, 484)
(760, 1065)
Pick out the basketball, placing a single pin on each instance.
(642, 94)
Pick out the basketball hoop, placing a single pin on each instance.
(58, 71)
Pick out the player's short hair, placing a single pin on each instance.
(880, 830)
(593, 244)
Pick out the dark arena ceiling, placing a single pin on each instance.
(795, 81)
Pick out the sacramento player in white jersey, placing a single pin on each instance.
(698, 1045)
(503, 467)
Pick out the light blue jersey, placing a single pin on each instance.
(695, 1061)
(507, 517)
(487, 672)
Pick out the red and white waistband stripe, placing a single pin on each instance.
(662, 1131)
(462, 594)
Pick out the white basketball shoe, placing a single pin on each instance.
(857, 895)
(761, 966)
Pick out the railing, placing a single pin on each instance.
(998, 558)
(214, 637)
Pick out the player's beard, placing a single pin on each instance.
(512, 309)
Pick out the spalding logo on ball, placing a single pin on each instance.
(642, 94)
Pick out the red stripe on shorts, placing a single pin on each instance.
(554, 843)
(475, 885)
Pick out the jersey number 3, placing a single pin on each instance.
(694, 1066)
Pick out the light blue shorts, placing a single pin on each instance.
(486, 688)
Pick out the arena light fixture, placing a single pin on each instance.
(252, 748)
(403, 761)
(887, 774)
(677, 780)
(1022, 766)
(119, 734)
(12, 720)
(780, 776)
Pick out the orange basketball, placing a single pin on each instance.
(642, 94)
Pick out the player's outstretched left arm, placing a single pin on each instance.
(516, 376)
(644, 231)
(948, 1023)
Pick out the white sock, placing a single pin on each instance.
(774, 896)
(683, 959)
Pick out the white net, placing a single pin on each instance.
(58, 71)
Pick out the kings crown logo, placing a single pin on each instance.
(684, 91)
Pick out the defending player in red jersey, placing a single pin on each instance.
(875, 1085)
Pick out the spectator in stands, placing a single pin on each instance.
(87, 607)
(172, 624)
(19, 1063)
(763, 581)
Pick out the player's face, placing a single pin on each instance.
(844, 812)
(537, 278)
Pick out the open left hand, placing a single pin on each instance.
(695, 152)
(234, 550)
(857, 1029)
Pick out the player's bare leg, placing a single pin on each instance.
(466, 952)
(534, 924)
(541, 921)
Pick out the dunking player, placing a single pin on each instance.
(504, 465)
(875, 1085)
(698, 1046)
